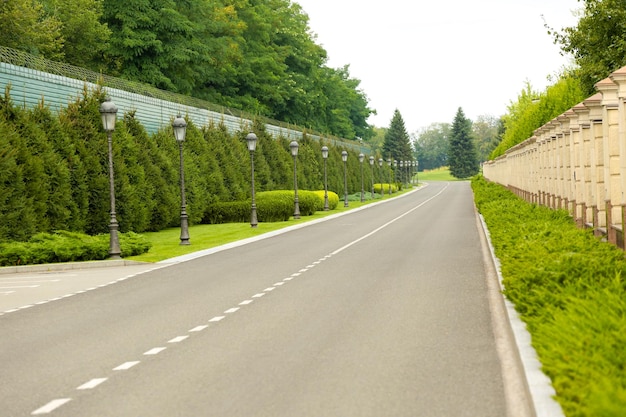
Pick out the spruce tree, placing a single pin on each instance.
(461, 152)
(397, 143)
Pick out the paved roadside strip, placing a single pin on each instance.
(25, 287)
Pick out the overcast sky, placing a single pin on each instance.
(429, 58)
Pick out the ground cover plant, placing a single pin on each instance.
(569, 289)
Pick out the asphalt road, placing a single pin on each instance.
(382, 312)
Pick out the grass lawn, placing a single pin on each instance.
(439, 174)
(166, 243)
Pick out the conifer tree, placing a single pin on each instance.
(461, 152)
(397, 143)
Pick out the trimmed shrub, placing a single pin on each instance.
(228, 212)
(333, 200)
(385, 188)
(63, 246)
(274, 206)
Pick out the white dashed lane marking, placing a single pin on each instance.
(198, 328)
(51, 406)
(177, 339)
(155, 351)
(92, 384)
(126, 366)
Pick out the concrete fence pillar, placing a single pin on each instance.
(577, 172)
(586, 153)
(594, 104)
(619, 78)
(608, 89)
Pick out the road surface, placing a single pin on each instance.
(381, 312)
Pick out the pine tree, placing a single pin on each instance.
(461, 152)
(397, 142)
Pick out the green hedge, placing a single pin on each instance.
(569, 288)
(62, 246)
(333, 199)
(272, 206)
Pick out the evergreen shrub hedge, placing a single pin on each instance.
(569, 288)
(63, 246)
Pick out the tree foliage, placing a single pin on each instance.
(533, 109)
(25, 25)
(462, 158)
(487, 131)
(259, 56)
(431, 146)
(397, 143)
(597, 42)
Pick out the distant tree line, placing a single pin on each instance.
(259, 56)
(54, 170)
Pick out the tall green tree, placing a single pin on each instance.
(397, 143)
(462, 157)
(597, 42)
(85, 35)
(25, 25)
(533, 109)
(431, 146)
(486, 130)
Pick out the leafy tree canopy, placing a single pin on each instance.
(431, 146)
(259, 56)
(597, 42)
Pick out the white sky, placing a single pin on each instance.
(429, 58)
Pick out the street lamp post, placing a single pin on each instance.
(382, 189)
(294, 152)
(361, 158)
(108, 111)
(395, 170)
(180, 130)
(344, 158)
(251, 139)
(389, 164)
(325, 157)
(417, 173)
(372, 172)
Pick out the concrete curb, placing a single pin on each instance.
(67, 266)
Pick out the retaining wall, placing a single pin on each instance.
(33, 79)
